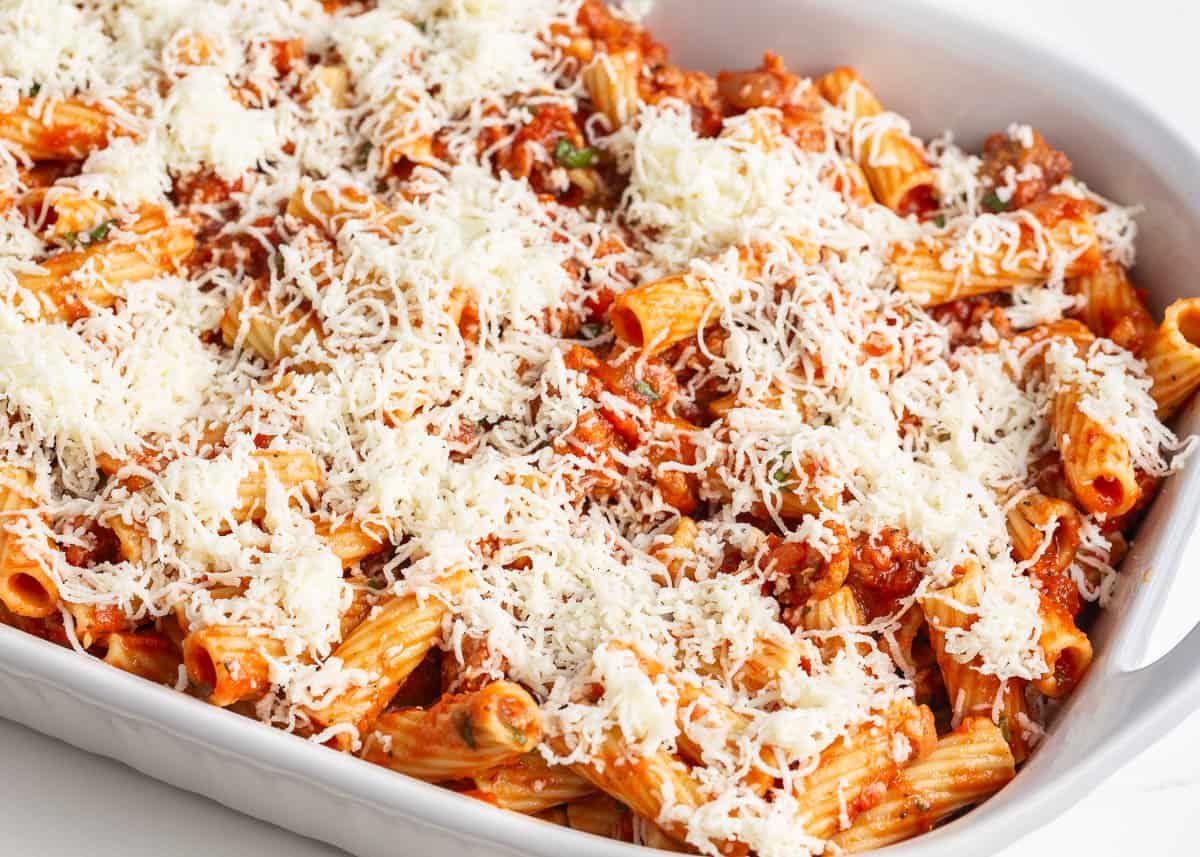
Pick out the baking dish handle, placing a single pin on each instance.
(1151, 700)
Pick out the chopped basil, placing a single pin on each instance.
(1005, 729)
(517, 734)
(85, 238)
(993, 202)
(590, 330)
(940, 221)
(783, 473)
(364, 154)
(570, 157)
(277, 262)
(377, 584)
(34, 90)
(466, 731)
(648, 392)
(917, 804)
(101, 231)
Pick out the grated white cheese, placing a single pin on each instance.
(206, 125)
(427, 372)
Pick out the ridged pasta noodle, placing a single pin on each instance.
(1097, 463)
(893, 163)
(852, 768)
(74, 280)
(612, 84)
(234, 661)
(461, 736)
(26, 587)
(147, 654)
(529, 784)
(388, 645)
(1112, 307)
(1172, 356)
(968, 765)
(971, 692)
(1034, 516)
(1056, 233)
(66, 128)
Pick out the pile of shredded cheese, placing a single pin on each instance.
(442, 435)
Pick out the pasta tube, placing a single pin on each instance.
(388, 646)
(26, 587)
(460, 736)
(892, 160)
(849, 772)
(93, 276)
(1035, 517)
(970, 764)
(1053, 235)
(147, 654)
(612, 84)
(62, 129)
(293, 469)
(1096, 462)
(1172, 356)
(1067, 650)
(234, 661)
(972, 692)
(1112, 307)
(529, 784)
(250, 323)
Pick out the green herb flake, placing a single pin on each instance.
(34, 90)
(940, 221)
(515, 731)
(1005, 729)
(570, 157)
(69, 238)
(590, 330)
(101, 231)
(993, 202)
(783, 473)
(466, 730)
(377, 584)
(647, 392)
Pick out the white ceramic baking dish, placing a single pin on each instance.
(942, 72)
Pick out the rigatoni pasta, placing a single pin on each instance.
(1172, 356)
(387, 646)
(462, 735)
(969, 764)
(1055, 236)
(528, 784)
(893, 162)
(25, 586)
(57, 129)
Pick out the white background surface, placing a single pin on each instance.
(55, 800)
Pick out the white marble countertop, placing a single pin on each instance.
(55, 800)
